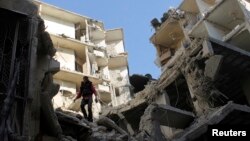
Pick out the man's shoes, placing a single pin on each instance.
(90, 119)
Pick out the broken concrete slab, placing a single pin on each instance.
(110, 124)
(124, 124)
(207, 49)
(132, 113)
(230, 114)
(72, 126)
(173, 117)
(156, 116)
(150, 128)
(135, 108)
(80, 129)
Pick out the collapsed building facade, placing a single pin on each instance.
(202, 49)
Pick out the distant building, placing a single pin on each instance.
(85, 48)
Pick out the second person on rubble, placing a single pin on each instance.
(86, 91)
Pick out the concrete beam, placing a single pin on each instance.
(230, 47)
(124, 123)
(207, 49)
(132, 112)
(150, 126)
(172, 117)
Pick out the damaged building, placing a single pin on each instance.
(85, 48)
(202, 50)
(43, 60)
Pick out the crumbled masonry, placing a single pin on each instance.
(205, 79)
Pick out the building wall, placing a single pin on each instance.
(58, 26)
(120, 82)
(124, 96)
(105, 72)
(115, 47)
(87, 65)
(66, 57)
(119, 76)
(66, 94)
(64, 85)
(99, 53)
(79, 64)
(124, 74)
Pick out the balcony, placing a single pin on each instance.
(225, 22)
(96, 33)
(101, 58)
(169, 34)
(117, 61)
(74, 77)
(69, 43)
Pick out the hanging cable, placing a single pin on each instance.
(178, 95)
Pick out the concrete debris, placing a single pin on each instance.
(201, 72)
(82, 130)
(110, 124)
(150, 126)
(205, 79)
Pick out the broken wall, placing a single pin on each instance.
(28, 95)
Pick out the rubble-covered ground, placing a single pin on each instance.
(75, 127)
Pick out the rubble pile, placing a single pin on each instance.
(76, 128)
(204, 77)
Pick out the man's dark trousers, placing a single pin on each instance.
(89, 102)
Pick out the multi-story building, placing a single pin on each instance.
(225, 20)
(85, 48)
(203, 50)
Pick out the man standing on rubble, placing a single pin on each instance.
(86, 91)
